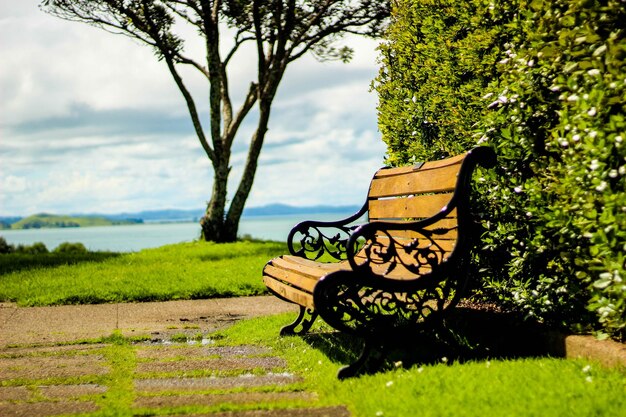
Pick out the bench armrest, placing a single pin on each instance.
(311, 239)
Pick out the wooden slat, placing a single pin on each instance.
(446, 245)
(305, 270)
(399, 272)
(443, 162)
(408, 235)
(292, 278)
(409, 207)
(297, 296)
(326, 267)
(427, 166)
(415, 182)
(306, 267)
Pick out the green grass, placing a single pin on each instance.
(182, 271)
(44, 220)
(542, 387)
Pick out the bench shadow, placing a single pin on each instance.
(467, 335)
(17, 262)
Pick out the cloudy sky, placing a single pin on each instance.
(91, 122)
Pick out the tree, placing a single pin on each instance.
(281, 32)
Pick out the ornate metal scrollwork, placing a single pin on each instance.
(354, 306)
(312, 239)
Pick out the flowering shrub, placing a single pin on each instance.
(544, 83)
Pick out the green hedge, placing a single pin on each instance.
(544, 83)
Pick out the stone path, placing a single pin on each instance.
(149, 378)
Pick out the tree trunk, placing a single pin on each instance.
(213, 222)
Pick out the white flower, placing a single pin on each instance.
(593, 134)
(622, 170)
(602, 186)
(555, 88)
(593, 72)
(592, 112)
(589, 379)
(600, 50)
(604, 275)
(595, 164)
(572, 98)
(488, 95)
(389, 383)
(618, 139)
(613, 173)
(531, 63)
(517, 189)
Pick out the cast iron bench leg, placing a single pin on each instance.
(290, 329)
(370, 358)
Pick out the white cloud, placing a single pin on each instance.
(92, 122)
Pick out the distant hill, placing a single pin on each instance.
(284, 209)
(44, 220)
(193, 215)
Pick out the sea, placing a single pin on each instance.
(133, 238)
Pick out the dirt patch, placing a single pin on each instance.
(171, 352)
(338, 411)
(71, 391)
(41, 409)
(242, 364)
(51, 367)
(47, 350)
(14, 393)
(213, 399)
(208, 383)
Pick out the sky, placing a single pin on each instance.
(92, 122)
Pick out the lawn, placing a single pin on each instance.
(491, 386)
(181, 271)
(539, 386)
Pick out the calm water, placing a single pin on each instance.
(150, 235)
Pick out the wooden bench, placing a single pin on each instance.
(395, 274)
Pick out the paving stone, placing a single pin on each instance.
(42, 409)
(50, 367)
(213, 399)
(71, 391)
(339, 411)
(265, 363)
(14, 393)
(197, 384)
(44, 350)
(169, 352)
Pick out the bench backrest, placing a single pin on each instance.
(406, 194)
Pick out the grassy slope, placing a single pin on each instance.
(182, 271)
(52, 220)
